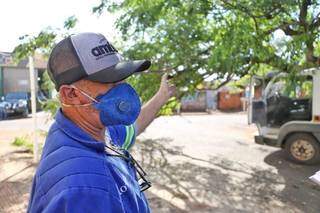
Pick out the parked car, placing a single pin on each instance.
(19, 103)
(15, 103)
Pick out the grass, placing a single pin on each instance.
(23, 142)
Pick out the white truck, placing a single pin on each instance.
(286, 110)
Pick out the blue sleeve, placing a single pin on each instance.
(32, 197)
(123, 136)
(80, 200)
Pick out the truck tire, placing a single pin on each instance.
(303, 148)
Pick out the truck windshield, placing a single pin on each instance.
(300, 88)
(288, 99)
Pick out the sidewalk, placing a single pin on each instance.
(16, 172)
(16, 165)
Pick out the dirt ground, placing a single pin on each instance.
(197, 163)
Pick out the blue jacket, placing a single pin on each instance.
(76, 175)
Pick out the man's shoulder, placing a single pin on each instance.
(66, 163)
(68, 155)
(71, 167)
(73, 174)
(61, 150)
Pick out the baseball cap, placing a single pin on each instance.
(90, 56)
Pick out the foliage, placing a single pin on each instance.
(47, 84)
(147, 85)
(297, 86)
(195, 40)
(44, 43)
(172, 106)
(51, 105)
(23, 142)
(306, 89)
(220, 38)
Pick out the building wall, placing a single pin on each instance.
(193, 103)
(211, 96)
(229, 101)
(16, 79)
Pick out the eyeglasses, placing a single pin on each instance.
(122, 153)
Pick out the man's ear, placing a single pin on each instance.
(69, 95)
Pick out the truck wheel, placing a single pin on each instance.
(303, 148)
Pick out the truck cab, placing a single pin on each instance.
(286, 110)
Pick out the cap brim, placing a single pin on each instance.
(120, 71)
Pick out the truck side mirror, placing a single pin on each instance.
(2, 98)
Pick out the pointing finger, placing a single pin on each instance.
(164, 77)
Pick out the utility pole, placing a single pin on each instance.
(33, 109)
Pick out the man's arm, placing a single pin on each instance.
(151, 108)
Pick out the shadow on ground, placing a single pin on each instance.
(220, 185)
(184, 183)
(298, 188)
(15, 186)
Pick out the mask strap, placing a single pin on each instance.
(74, 105)
(81, 105)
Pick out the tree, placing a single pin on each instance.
(44, 42)
(220, 39)
(196, 39)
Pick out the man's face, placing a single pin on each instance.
(73, 96)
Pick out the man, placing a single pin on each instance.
(85, 164)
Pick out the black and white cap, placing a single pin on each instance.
(90, 56)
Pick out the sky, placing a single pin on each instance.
(20, 17)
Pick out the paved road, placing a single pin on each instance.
(17, 123)
(207, 163)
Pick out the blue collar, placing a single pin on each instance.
(75, 132)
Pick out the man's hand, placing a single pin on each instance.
(150, 110)
(166, 89)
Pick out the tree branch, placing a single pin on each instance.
(304, 12)
(289, 31)
(267, 14)
(286, 29)
(273, 60)
(310, 57)
(223, 83)
(315, 22)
